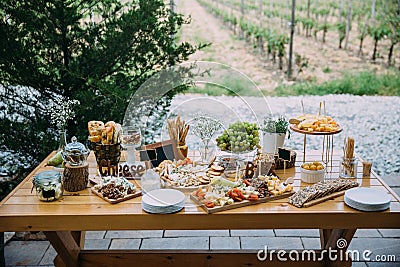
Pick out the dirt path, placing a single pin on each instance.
(225, 48)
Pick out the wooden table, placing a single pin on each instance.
(65, 221)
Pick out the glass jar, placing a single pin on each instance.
(150, 180)
(348, 168)
(48, 185)
(63, 140)
(207, 150)
(75, 153)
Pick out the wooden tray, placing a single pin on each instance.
(236, 205)
(118, 200)
(294, 128)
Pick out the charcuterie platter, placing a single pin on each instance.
(223, 194)
(115, 189)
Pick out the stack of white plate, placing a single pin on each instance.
(163, 201)
(367, 199)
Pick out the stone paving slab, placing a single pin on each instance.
(378, 246)
(134, 234)
(252, 232)
(383, 264)
(358, 264)
(176, 243)
(48, 257)
(271, 243)
(125, 243)
(94, 234)
(367, 233)
(179, 233)
(224, 243)
(311, 243)
(97, 243)
(390, 232)
(25, 252)
(297, 232)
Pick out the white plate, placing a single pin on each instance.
(163, 198)
(366, 207)
(367, 196)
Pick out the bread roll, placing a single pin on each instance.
(95, 139)
(95, 128)
(117, 133)
(108, 133)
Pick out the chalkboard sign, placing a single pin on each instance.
(148, 155)
(284, 153)
(165, 150)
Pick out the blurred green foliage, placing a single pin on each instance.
(98, 52)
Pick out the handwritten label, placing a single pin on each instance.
(106, 169)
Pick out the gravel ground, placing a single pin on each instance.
(373, 121)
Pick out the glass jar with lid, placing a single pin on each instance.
(75, 153)
(48, 185)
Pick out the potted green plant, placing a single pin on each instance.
(274, 133)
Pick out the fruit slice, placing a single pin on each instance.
(56, 159)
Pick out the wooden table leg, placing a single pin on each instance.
(337, 240)
(79, 237)
(324, 236)
(68, 246)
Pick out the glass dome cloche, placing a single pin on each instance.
(75, 153)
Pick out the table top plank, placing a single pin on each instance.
(21, 210)
(24, 196)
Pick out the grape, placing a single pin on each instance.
(239, 137)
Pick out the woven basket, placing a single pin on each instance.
(107, 152)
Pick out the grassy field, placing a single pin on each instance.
(363, 83)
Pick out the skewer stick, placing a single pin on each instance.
(302, 106)
(332, 154)
(323, 148)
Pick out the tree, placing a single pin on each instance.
(393, 21)
(378, 32)
(362, 20)
(348, 24)
(292, 25)
(96, 51)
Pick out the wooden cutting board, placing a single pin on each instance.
(236, 205)
(323, 199)
(118, 200)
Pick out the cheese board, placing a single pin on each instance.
(115, 189)
(118, 200)
(236, 205)
(222, 194)
(303, 131)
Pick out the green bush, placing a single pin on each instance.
(364, 83)
(97, 52)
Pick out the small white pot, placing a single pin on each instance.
(312, 177)
(272, 141)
